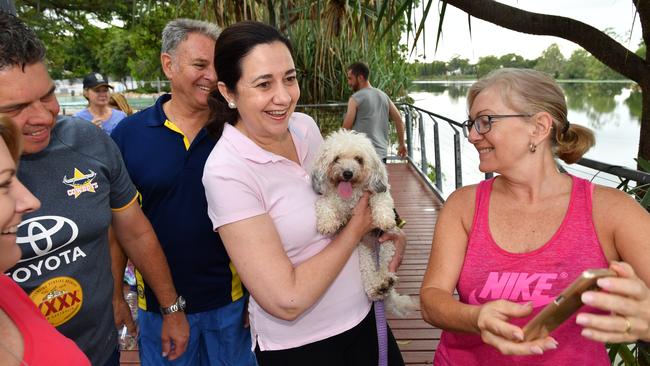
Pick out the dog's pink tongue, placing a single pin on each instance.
(345, 190)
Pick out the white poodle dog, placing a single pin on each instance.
(346, 166)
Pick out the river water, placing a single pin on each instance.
(611, 109)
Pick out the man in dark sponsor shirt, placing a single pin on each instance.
(76, 171)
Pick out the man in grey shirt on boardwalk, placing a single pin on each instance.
(369, 110)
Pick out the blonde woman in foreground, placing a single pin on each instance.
(510, 244)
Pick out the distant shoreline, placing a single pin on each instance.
(470, 81)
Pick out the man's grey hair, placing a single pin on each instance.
(178, 30)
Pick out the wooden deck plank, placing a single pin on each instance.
(417, 205)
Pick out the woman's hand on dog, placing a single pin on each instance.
(399, 240)
(361, 220)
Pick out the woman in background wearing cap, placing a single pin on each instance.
(98, 111)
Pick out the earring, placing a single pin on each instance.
(532, 147)
(232, 105)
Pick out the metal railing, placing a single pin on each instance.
(427, 131)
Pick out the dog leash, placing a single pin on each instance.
(380, 320)
(382, 338)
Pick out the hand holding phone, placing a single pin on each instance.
(564, 305)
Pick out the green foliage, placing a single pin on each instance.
(581, 65)
(113, 58)
(325, 45)
(486, 64)
(435, 68)
(431, 173)
(551, 61)
(122, 38)
(460, 65)
(514, 60)
(576, 66)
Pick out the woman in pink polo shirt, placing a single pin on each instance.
(308, 306)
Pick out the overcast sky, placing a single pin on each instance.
(489, 39)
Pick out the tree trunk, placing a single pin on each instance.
(644, 135)
(599, 44)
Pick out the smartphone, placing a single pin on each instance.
(564, 305)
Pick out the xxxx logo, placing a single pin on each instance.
(59, 299)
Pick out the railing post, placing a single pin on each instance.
(457, 158)
(436, 149)
(423, 145)
(409, 131)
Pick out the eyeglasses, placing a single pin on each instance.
(483, 124)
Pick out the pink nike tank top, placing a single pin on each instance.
(491, 273)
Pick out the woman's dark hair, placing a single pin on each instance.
(234, 43)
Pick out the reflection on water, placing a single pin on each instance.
(454, 90)
(611, 110)
(598, 101)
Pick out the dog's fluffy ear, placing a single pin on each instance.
(319, 172)
(378, 181)
(317, 180)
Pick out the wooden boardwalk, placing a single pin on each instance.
(419, 207)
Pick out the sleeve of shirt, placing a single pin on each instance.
(123, 192)
(232, 193)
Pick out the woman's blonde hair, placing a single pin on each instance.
(531, 91)
(11, 137)
(119, 101)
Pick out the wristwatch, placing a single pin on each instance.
(179, 305)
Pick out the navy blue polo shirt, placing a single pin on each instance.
(167, 172)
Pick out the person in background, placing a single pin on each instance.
(118, 101)
(512, 243)
(77, 173)
(165, 148)
(99, 112)
(27, 338)
(308, 305)
(370, 109)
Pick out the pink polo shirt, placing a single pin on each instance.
(242, 180)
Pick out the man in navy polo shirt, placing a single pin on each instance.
(165, 148)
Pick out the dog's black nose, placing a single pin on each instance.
(347, 175)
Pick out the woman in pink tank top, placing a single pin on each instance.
(511, 244)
